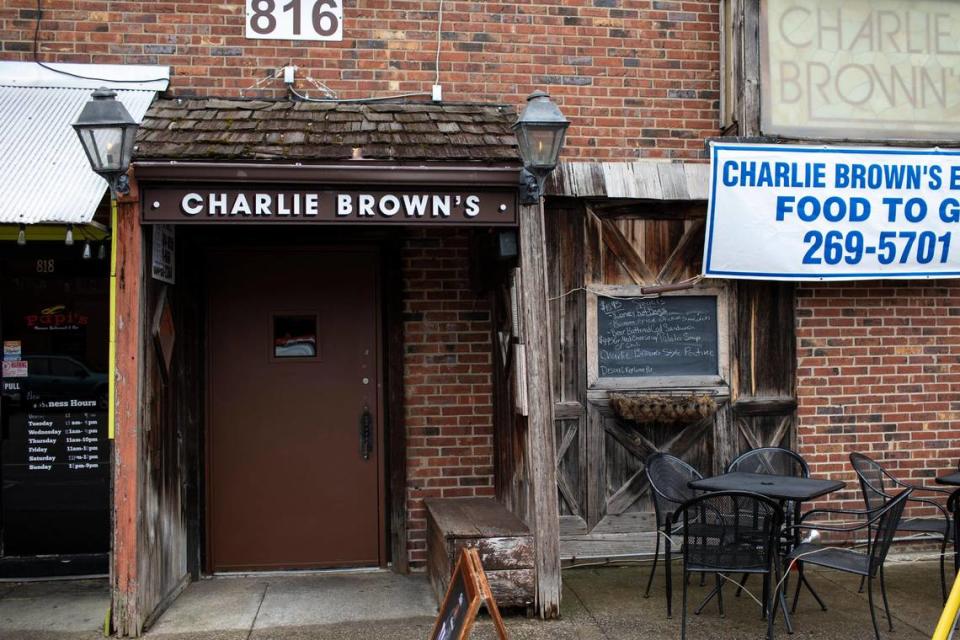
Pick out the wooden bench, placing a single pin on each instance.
(501, 538)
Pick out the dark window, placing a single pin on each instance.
(295, 336)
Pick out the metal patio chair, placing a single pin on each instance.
(731, 532)
(669, 477)
(773, 461)
(876, 484)
(881, 524)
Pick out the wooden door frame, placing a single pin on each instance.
(376, 251)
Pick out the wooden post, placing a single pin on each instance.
(746, 81)
(544, 515)
(125, 579)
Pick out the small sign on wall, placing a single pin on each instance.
(164, 250)
(15, 369)
(12, 349)
(295, 19)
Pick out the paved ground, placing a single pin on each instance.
(599, 603)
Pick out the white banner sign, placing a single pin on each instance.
(780, 212)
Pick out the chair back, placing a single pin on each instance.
(772, 461)
(730, 531)
(875, 483)
(669, 478)
(885, 527)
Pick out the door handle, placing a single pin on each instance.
(366, 433)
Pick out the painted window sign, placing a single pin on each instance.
(780, 212)
(295, 19)
(861, 69)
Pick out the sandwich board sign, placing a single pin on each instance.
(467, 591)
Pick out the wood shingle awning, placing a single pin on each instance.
(221, 130)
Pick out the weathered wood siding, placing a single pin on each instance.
(504, 543)
(510, 428)
(124, 576)
(171, 417)
(158, 416)
(604, 500)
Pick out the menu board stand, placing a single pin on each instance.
(467, 591)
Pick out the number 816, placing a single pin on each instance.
(324, 18)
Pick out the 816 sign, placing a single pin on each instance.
(295, 19)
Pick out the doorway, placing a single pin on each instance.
(294, 408)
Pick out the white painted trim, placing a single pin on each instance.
(113, 76)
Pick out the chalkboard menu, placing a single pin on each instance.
(665, 336)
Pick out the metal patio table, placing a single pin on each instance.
(953, 480)
(783, 489)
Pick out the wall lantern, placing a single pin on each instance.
(540, 130)
(107, 133)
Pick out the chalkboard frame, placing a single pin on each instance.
(716, 382)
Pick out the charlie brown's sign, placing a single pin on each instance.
(179, 205)
(861, 69)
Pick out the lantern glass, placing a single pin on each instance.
(104, 146)
(540, 145)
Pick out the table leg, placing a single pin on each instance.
(793, 539)
(956, 530)
(781, 601)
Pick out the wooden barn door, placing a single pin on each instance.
(604, 498)
(763, 406)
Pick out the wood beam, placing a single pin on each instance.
(684, 253)
(125, 578)
(765, 405)
(651, 209)
(540, 442)
(392, 274)
(632, 263)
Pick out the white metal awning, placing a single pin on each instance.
(44, 175)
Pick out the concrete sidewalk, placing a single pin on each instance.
(600, 603)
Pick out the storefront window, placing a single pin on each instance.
(54, 452)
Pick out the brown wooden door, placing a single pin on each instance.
(293, 362)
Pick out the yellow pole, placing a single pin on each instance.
(948, 618)
(112, 367)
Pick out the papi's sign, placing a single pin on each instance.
(179, 205)
(861, 69)
(780, 212)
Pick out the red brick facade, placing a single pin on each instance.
(447, 379)
(637, 78)
(879, 373)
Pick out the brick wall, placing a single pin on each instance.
(879, 373)
(447, 379)
(638, 78)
